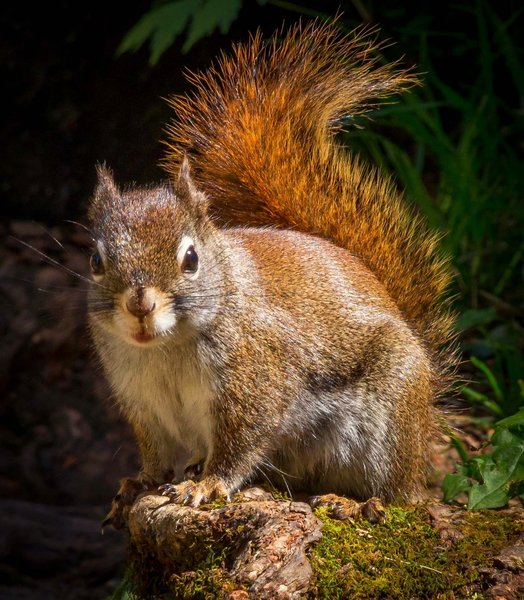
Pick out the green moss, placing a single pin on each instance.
(404, 557)
(208, 581)
(203, 576)
(203, 584)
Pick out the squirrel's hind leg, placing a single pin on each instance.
(342, 508)
(156, 453)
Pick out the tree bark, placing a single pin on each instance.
(262, 544)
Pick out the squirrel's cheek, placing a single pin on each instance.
(164, 320)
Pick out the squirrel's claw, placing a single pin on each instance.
(191, 493)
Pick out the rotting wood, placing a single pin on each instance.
(264, 542)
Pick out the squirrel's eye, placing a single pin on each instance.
(189, 262)
(97, 266)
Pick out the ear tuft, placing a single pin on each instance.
(105, 181)
(185, 182)
(184, 175)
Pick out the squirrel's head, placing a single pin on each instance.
(156, 263)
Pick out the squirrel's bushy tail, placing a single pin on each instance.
(259, 131)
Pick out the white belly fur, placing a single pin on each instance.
(165, 386)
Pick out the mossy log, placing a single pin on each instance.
(258, 547)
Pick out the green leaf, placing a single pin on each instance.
(504, 437)
(506, 467)
(513, 421)
(510, 459)
(489, 376)
(475, 317)
(490, 495)
(478, 466)
(212, 14)
(453, 485)
(480, 398)
(459, 446)
(161, 26)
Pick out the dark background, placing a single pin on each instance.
(68, 103)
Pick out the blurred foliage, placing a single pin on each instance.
(167, 20)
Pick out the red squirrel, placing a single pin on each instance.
(277, 306)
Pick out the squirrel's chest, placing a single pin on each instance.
(168, 390)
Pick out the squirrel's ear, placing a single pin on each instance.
(187, 188)
(105, 182)
(105, 190)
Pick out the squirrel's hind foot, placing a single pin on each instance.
(342, 508)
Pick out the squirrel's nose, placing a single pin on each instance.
(141, 302)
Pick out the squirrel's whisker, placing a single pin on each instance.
(55, 263)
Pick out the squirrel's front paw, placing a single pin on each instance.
(194, 493)
(127, 493)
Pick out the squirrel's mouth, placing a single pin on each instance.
(143, 337)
